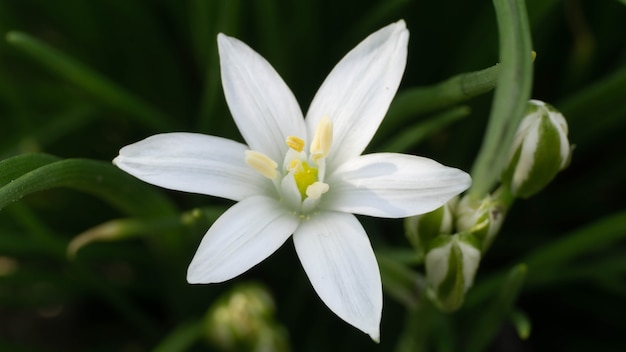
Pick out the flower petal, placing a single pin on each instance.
(358, 91)
(338, 259)
(192, 162)
(264, 109)
(392, 185)
(242, 237)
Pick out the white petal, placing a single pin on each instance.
(358, 91)
(265, 110)
(392, 185)
(530, 141)
(196, 163)
(242, 237)
(338, 259)
(289, 192)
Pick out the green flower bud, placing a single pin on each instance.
(482, 218)
(421, 229)
(451, 264)
(540, 150)
(243, 320)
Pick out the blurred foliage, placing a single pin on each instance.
(80, 79)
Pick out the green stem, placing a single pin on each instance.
(510, 97)
(423, 100)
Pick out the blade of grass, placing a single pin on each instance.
(413, 135)
(597, 108)
(182, 338)
(546, 262)
(545, 265)
(270, 33)
(98, 86)
(224, 16)
(14, 167)
(98, 178)
(488, 324)
(120, 229)
(377, 16)
(399, 281)
(51, 131)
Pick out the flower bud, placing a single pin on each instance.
(451, 264)
(243, 320)
(482, 218)
(420, 229)
(539, 151)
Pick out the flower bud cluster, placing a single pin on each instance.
(243, 320)
(452, 239)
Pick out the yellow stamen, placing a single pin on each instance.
(262, 164)
(295, 143)
(323, 139)
(316, 190)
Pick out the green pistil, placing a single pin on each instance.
(305, 176)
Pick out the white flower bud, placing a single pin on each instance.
(420, 229)
(482, 218)
(540, 150)
(451, 264)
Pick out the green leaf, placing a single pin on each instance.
(547, 262)
(413, 135)
(14, 167)
(98, 178)
(511, 94)
(182, 338)
(597, 109)
(55, 129)
(377, 16)
(488, 323)
(121, 229)
(101, 88)
(399, 281)
(208, 18)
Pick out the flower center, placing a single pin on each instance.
(304, 175)
(301, 179)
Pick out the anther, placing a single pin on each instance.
(315, 190)
(295, 143)
(323, 139)
(262, 164)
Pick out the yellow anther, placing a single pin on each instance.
(323, 139)
(295, 143)
(315, 190)
(262, 164)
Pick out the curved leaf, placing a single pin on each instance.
(95, 177)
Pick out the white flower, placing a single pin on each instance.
(299, 176)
